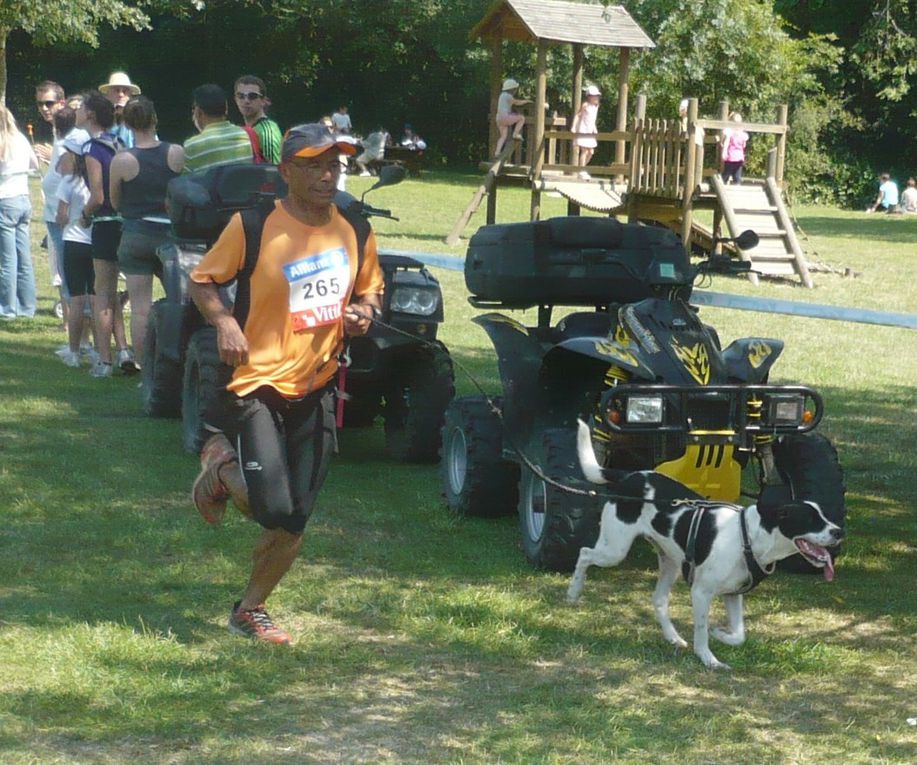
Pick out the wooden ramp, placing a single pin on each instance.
(486, 189)
(760, 207)
(594, 194)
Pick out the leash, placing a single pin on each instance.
(591, 493)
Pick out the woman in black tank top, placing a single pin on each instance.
(139, 177)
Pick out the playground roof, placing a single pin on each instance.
(561, 22)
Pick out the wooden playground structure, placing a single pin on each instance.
(662, 170)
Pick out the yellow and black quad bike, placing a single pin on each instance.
(640, 366)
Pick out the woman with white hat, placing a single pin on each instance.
(506, 117)
(118, 90)
(584, 124)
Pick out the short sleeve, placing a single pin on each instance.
(225, 259)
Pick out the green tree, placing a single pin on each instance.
(53, 21)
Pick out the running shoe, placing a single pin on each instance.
(100, 369)
(126, 362)
(256, 623)
(70, 358)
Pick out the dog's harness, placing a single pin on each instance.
(756, 573)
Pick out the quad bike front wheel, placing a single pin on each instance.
(476, 480)
(203, 380)
(809, 466)
(555, 523)
(161, 376)
(415, 403)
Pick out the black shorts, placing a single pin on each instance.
(284, 449)
(78, 271)
(106, 236)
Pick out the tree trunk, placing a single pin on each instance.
(4, 33)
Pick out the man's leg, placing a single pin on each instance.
(274, 555)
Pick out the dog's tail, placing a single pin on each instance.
(588, 463)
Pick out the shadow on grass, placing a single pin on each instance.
(412, 616)
(894, 229)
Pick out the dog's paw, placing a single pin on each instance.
(677, 640)
(729, 638)
(711, 662)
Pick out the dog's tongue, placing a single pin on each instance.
(829, 569)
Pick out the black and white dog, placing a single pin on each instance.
(722, 549)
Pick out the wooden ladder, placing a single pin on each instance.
(759, 206)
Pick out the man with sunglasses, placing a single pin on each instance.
(313, 282)
(49, 100)
(251, 101)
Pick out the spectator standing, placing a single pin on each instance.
(251, 98)
(887, 200)
(49, 98)
(909, 196)
(138, 181)
(219, 141)
(373, 149)
(733, 154)
(506, 118)
(340, 121)
(96, 115)
(71, 197)
(585, 123)
(310, 287)
(52, 106)
(118, 90)
(17, 279)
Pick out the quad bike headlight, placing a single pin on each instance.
(413, 300)
(644, 409)
(786, 410)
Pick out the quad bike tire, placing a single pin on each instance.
(809, 465)
(203, 380)
(556, 524)
(415, 404)
(476, 480)
(161, 376)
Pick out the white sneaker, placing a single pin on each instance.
(365, 174)
(584, 175)
(100, 369)
(126, 362)
(70, 358)
(89, 353)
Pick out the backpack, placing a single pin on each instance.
(253, 220)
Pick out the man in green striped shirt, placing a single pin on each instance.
(219, 141)
(251, 98)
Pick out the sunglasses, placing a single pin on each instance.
(248, 96)
(46, 104)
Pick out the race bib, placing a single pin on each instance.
(318, 286)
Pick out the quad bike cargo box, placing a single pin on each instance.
(200, 204)
(572, 261)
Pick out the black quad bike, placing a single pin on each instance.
(403, 378)
(648, 375)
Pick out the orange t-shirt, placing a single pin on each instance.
(304, 278)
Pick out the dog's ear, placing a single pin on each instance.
(772, 498)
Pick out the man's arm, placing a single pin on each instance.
(231, 341)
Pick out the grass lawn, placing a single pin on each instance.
(421, 638)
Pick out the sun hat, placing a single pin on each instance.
(119, 79)
(592, 90)
(510, 84)
(312, 139)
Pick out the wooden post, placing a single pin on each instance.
(623, 70)
(496, 80)
(537, 140)
(782, 113)
(636, 149)
(687, 202)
